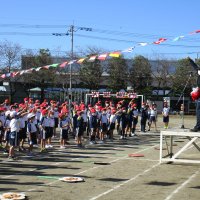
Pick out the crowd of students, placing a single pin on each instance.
(36, 122)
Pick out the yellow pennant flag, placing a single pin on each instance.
(115, 54)
(80, 60)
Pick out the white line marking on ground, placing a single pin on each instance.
(50, 183)
(182, 185)
(125, 182)
(46, 167)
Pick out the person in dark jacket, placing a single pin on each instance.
(123, 123)
(144, 117)
(79, 129)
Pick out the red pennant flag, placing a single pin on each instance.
(102, 56)
(15, 74)
(160, 41)
(194, 32)
(3, 76)
(63, 64)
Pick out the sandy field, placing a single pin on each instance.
(108, 171)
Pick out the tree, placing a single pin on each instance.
(140, 75)
(90, 74)
(162, 75)
(118, 71)
(10, 54)
(181, 75)
(41, 78)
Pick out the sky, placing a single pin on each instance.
(116, 25)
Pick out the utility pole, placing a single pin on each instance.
(71, 30)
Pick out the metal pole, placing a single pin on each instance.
(72, 56)
(70, 78)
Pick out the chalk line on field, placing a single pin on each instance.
(50, 183)
(182, 185)
(125, 182)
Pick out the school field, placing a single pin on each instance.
(122, 178)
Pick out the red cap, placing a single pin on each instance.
(93, 110)
(7, 101)
(26, 99)
(113, 111)
(44, 112)
(37, 101)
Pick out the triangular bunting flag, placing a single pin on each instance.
(63, 64)
(178, 38)
(71, 62)
(3, 76)
(92, 58)
(54, 65)
(80, 60)
(102, 56)
(160, 41)
(115, 54)
(194, 32)
(143, 44)
(129, 50)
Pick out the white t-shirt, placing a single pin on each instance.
(21, 122)
(166, 111)
(113, 118)
(14, 125)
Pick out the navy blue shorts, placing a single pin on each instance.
(79, 132)
(165, 119)
(13, 139)
(44, 134)
(104, 127)
(64, 134)
(33, 138)
(112, 126)
(152, 119)
(22, 133)
(56, 122)
(50, 132)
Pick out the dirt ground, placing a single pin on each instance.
(122, 177)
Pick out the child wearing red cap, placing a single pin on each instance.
(93, 124)
(31, 132)
(51, 124)
(135, 118)
(44, 128)
(104, 125)
(64, 129)
(112, 120)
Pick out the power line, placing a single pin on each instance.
(102, 31)
(92, 37)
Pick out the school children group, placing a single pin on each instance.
(35, 123)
